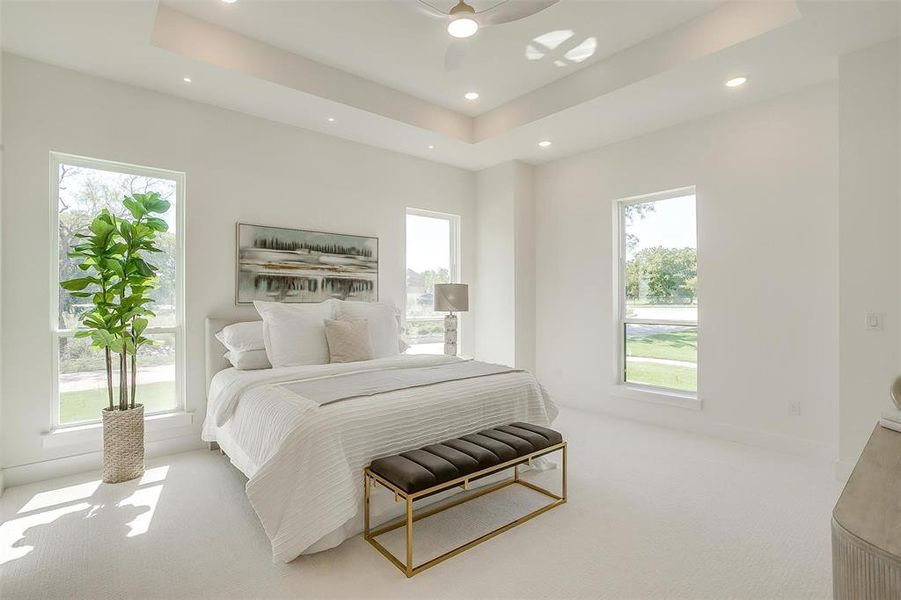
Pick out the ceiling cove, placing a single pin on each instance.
(724, 26)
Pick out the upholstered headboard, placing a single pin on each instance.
(215, 351)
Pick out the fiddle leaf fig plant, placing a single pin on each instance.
(117, 280)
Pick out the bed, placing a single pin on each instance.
(304, 457)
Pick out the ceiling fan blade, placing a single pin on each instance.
(427, 10)
(513, 10)
(456, 53)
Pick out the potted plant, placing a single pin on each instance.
(117, 279)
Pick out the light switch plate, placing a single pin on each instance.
(875, 321)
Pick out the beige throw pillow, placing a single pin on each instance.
(348, 341)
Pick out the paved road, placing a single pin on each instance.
(637, 330)
(663, 361)
(90, 380)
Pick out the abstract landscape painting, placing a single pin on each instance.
(294, 265)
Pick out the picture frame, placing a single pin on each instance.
(283, 264)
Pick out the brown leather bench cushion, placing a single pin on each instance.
(427, 467)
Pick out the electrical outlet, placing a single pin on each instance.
(795, 408)
(875, 321)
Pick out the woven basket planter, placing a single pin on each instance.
(123, 444)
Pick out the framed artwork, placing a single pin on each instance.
(278, 264)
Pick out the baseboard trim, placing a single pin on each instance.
(731, 433)
(88, 461)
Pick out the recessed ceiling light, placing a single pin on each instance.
(186, 79)
(229, 1)
(463, 23)
(431, 147)
(331, 119)
(736, 81)
(544, 143)
(471, 95)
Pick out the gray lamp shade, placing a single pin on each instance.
(451, 297)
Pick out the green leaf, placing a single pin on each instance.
(78, 284)
(95, 323)
(157, 224)
(101, 227)
(103, 339)
(142, 267)
(153, 203)
(113, 265)
(139, 325)
(134, 206)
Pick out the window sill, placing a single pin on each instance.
(92, 433)
(657, 396)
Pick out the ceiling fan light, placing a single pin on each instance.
(462, 27)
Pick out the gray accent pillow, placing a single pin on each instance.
(348, 341)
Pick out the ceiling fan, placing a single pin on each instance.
(463, 22)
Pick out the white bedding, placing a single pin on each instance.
(304, 462)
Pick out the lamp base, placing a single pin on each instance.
(450, 335)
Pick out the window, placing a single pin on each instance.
(657, 291)
(432, 251)
(81, 188)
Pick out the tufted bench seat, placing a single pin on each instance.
(456, 462)
(429, 466)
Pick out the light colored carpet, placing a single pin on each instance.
(653, 513)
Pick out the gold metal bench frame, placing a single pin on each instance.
(370, 479)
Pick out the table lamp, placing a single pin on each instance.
(451, 298)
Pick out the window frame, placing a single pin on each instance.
(455, 274)
(640, 390)
(56, 333)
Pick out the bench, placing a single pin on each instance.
(433, 469)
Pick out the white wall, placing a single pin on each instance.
(1, 255)
(524, 267)
(493, 292)
(766, 180)
(239, 168)
(504, 290)
(869, 226)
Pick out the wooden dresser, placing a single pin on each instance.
(866, 524)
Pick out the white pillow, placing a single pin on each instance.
(294, 334)
(248, 360)
(382, 318)
(241, 337)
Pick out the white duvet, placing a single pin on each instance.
(305, 462)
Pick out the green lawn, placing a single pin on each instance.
(679, 345)
(667, 376)
(85, 405)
